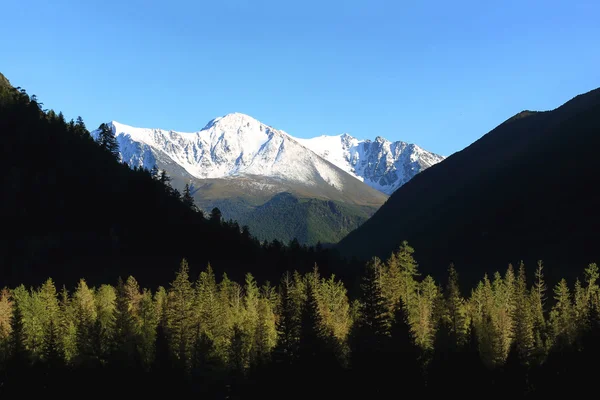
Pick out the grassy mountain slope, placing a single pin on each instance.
(283, 210)
(525, 191)
(286, 217)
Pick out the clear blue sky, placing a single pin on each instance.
(436, 73)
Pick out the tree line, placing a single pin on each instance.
(218, 335)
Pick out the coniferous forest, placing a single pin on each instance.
(266, 319)
(230, 339)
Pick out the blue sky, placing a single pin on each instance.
(440, 74)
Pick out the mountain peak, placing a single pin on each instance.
(234, 119)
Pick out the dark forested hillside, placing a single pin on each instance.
(70, 208)
(526, 190)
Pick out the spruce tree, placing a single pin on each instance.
(370, 336)
(312, 334)
(125, 325)
(538, 300)
(187, 198)
(374, 312)
(215, 216)
(424, 318)
(180, 317)
(523, 327)
(148, 321)
(408, 272)
(80, 128)
(67, 328)
(561, 316)
(105, 299)
(288, 324)
(52, 351)
(85, 314)
(456, 310)
(107, 140)
(19, 355)
(6, 311)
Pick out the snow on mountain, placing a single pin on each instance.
(238, 145)
(381, 164)
(229, 146)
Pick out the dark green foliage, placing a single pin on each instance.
(374, 313)
(286, 217)
(107, 140)
(187, 198)
(288, 325)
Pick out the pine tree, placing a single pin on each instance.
(32, 313)
(51, 348)
(371, 332)
(523, 327)
(85, 319)
(288, 323)
(408, 272)
(580, 310)
(265, 335)
(67, 328)
(335, 308)
(538, 300)
(215, 216)
(187, 198)
(148, 321)
(423, 324)
(6, 311)
(374, 309)
(391, 282)
(80, 128)
(19, 355)
(561, 316)
(105, 299)
(312, 333)
(125, 325)
(456, 310)
(107, 140)
(180, 317)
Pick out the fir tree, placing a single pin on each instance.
(51, 348)
(187, 198)
(148, 321)
(374, 309)
(288, 323)
(561, 316)
(538, 299)
(67, 328)
(19, 356)
(107, 140)
(523, 327)
(180, 317)
(85, 319)
(6, 311)
(105, 299)
(456, 310)
(215, 216)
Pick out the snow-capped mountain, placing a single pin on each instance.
(230, 146)
(237, 145)
(381, 164)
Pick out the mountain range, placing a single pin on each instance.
(327, 185)
(524, 191)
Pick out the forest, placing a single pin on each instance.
(240, 339)
(326, 328)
